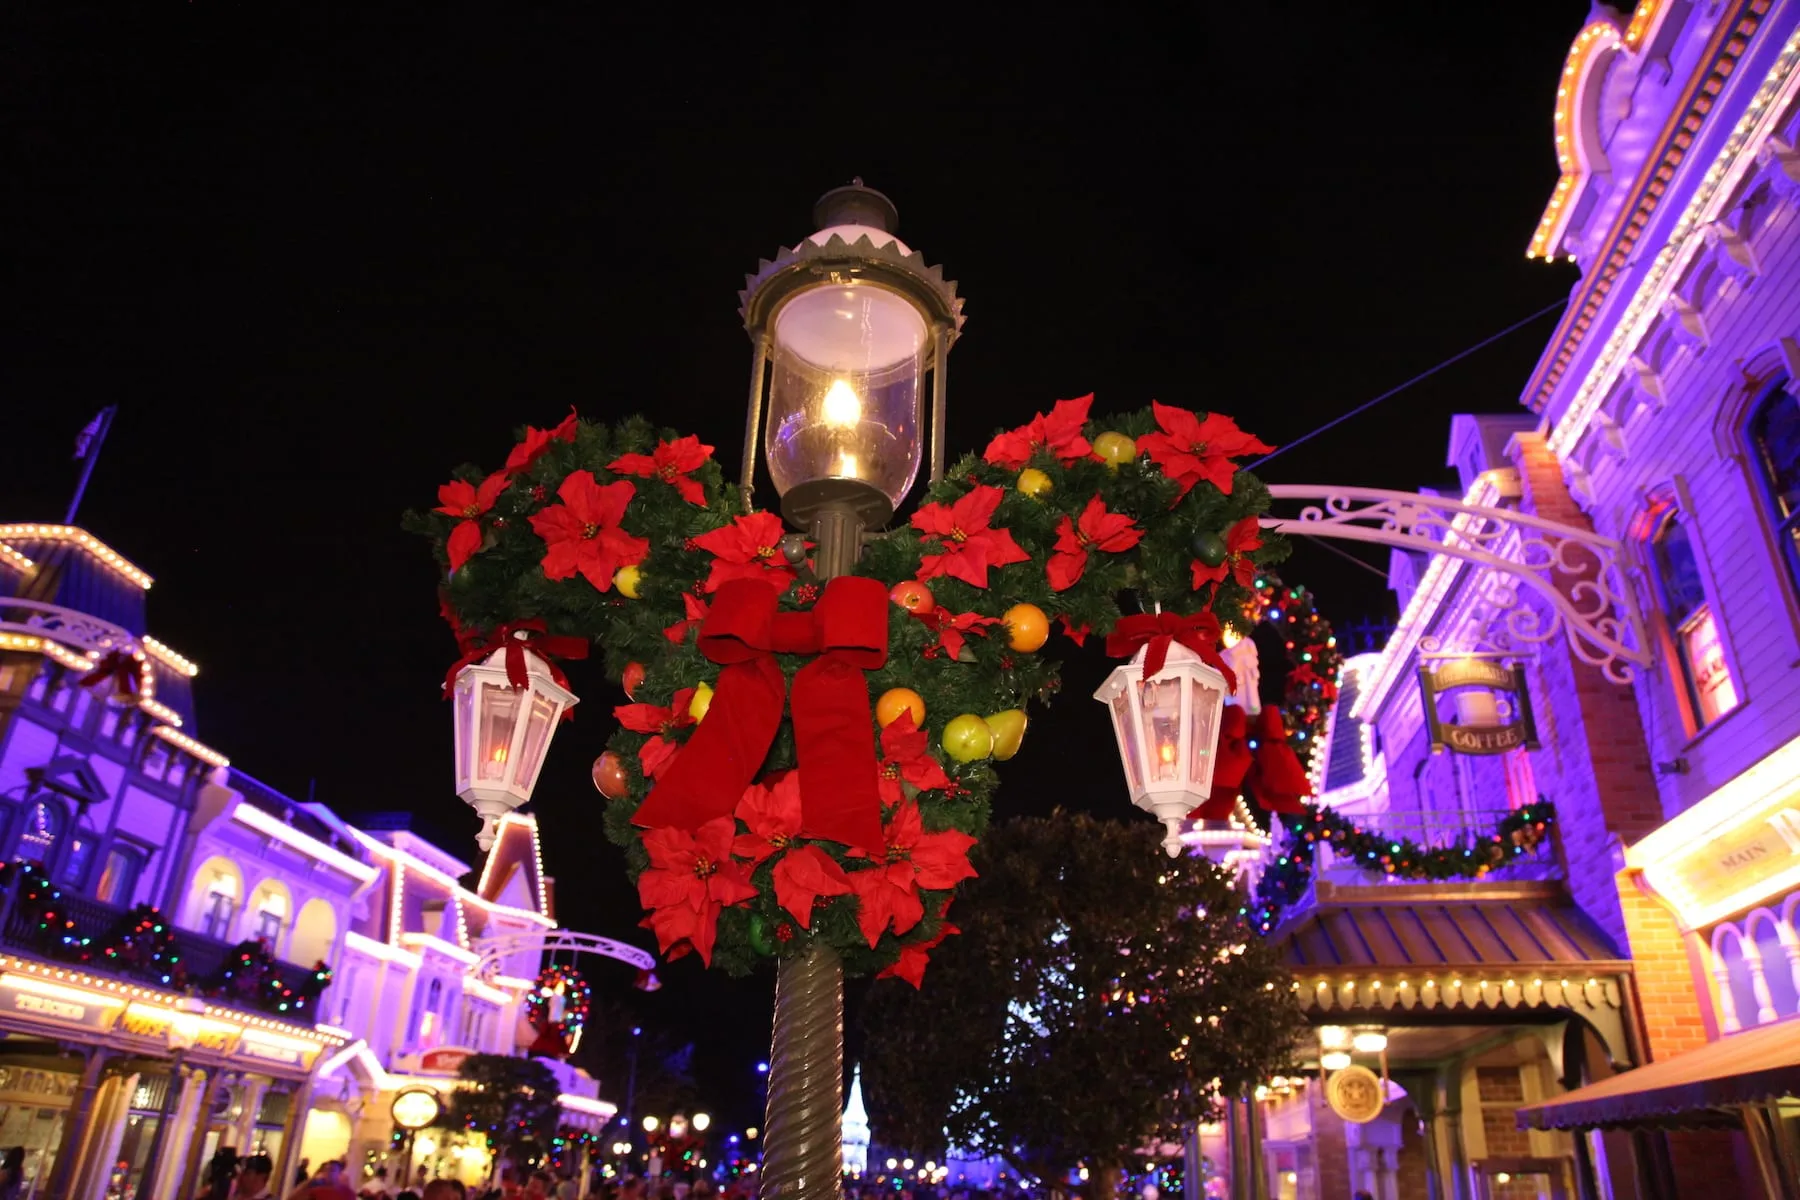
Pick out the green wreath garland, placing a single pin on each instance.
(618, 534)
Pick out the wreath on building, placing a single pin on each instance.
(847, 828)
(143, 944)
(557, 1010)
(48, 925)
(252, 976)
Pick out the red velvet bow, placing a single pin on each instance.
(1199, 633)
(540, 643)
(834, 738)
(118, 665)
(1271, 774)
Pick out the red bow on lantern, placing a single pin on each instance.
(542, 644)
(833, 735)
(120, 666)
(1199, 633)
(1272, 773)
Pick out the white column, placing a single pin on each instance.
(1792, 950)
(1728, 1018)
(1759, 984)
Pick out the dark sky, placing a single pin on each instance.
(318, 260)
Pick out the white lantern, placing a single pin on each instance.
(503, 735)
(1168, 731)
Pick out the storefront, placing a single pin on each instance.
(87, 1081)
(1728, 869)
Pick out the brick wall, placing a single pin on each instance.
(1331, 1147)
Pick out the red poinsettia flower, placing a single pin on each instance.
(1059, 433)
(1077, 635)
(1240, 540)
(969, 546)
(691, 877)
(914, 859)
(670, 462)
(906, 755)
(468, 501)
(1097, 529)
(804, 874)
(583, 534)
(770, 811)
(914, 958)
(748, 548)
(656, 754)
(1191, 448)
(538, 440)
(953, 629)
(696, 613)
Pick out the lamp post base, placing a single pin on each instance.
(804, 1159)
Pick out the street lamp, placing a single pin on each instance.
(701, 1121)
(844, 329)
(1168, 731)
(181, 1034)
(506, 714)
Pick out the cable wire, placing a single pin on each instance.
(1483, 344)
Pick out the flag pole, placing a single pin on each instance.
(87, 449)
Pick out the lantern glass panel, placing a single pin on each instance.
(846, 394)
(1159, 700)
(498, 707)
(539, 718)
(1202, 729)
(1126, 729)
(465, 723)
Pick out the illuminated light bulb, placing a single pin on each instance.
(1370, 1042)
(1166, 752)
(842, 407)
(847, 466)
(1333, 1037)
(1336, 1060)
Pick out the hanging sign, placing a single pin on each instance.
(415, 1108)
(1471, 683)
(1355, 1094)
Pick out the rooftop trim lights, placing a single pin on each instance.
(402, 859)
(586, 1104)
(36, 973)
(168, 657)
(363, 944)
(15, 560)
(1584, 55)
(281, 831)
(1734, 160)
(182, 741)
(87, 541)
(493, 995)
(430, 941)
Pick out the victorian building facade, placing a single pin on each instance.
(190, 959)
(1609, 1013)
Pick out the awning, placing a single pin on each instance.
(1696, 1088)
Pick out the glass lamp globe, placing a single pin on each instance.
(1168, 733)
(503, 735)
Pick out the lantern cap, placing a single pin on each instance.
(854, 244)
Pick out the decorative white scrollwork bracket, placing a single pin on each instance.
(495, 951)
(1578, 575)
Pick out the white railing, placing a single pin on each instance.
(76, 630)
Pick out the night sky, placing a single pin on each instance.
(319, 261)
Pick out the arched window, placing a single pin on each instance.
(42, 831)
(1700, 654)
(1775, 439)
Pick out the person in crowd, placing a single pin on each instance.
(303, 1173)
(328, 1184)
(377, 1187)
(540, 1186)
(446, 1189)
(12, 1173)
(254, 1171)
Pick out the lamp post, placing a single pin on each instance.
(844, 329)
(1168, 732)
(182, 1032)
(503, 732)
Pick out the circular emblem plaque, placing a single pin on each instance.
(1356, 1094)
(415, 1108)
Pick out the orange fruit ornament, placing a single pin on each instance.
(1027, 627)
(895, 701)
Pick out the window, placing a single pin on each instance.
(1775, 437)
(43, 829)
(218, 908)
(271, 915)
(75, 862)
(1705, 675)
(118, 878)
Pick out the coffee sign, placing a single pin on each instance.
(1471, 682)
(1355, 1094)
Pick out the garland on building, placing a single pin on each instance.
(1313, 658)
(627, 537)
(1291, 873)
(251, 975)
(39, 903)
(557, 1009)
(143, 944)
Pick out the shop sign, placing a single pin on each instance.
(291, 1056)
(56, 1003)
(1732, 850)
(1355, 1094)
(445, 1060)
(415, 1108)
(154, 1023)
(1472, 683)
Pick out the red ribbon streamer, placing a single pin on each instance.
(1199, 633)
(540, 643)
(834, 736)
(117, 665)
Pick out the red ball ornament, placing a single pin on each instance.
(631, 678)
(913, 596)
(609, 776)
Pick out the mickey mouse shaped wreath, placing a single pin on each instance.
(806, 760)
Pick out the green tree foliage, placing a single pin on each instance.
(1100, 998)
(511, 1100)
